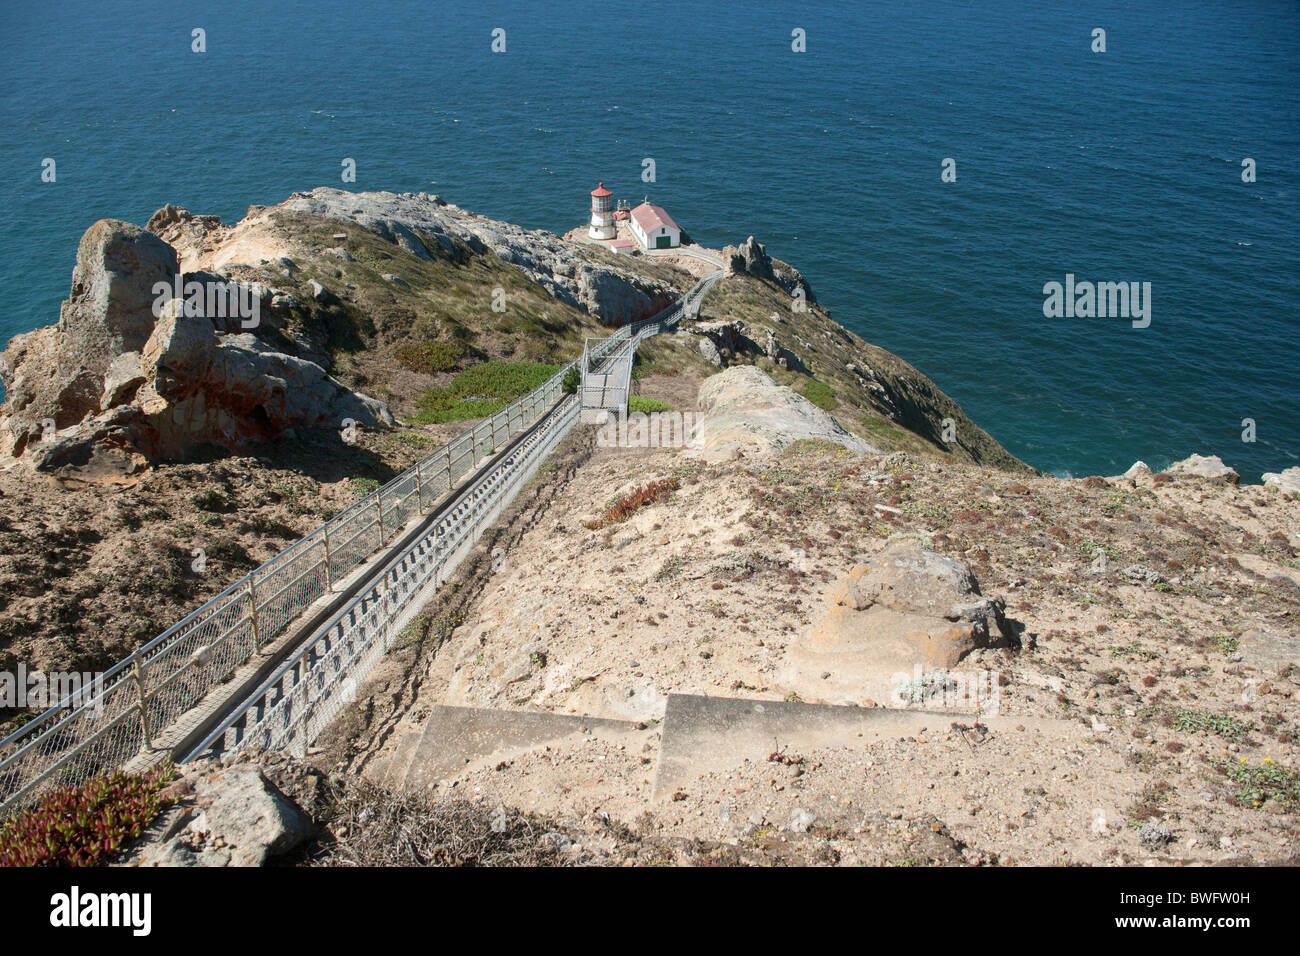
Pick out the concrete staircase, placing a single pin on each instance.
(699, 735)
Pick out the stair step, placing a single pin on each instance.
(388, 771)
(712, 734)
(454, 737)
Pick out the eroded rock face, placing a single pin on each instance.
(418, 222)
(909, 610)
(1203, 466)
(746, 413)
(750, 258)
(117, 384)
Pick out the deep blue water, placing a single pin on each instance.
(1122, 166)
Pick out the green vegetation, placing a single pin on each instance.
(637, 403)
(430, 357)
(85, 825)
(626, 507)
(364, 486)
(1202, 721)
(1256, 785)
(819, 393)
(482, 389)
(572, 379)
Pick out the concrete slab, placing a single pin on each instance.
(454, 737)
(390, 771)
(1269, 653)
(711, 734)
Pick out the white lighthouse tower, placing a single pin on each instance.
(602, 214)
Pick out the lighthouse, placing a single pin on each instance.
(602, 214)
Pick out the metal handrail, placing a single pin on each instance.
(168, 675)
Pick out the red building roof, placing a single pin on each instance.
(600, 190)
(649, 216)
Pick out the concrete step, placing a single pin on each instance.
(390, 771)
(456, 737)
(713, 734)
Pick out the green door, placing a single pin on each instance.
(664, 242)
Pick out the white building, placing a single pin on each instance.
(654, 228)
(602, 214)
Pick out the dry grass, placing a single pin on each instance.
(377, 827)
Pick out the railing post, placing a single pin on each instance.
(379, 510)
(329, 571)
(142, 704)
(252, 613)
(419, 491)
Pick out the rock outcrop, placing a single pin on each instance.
(423, 224)
(719, 341)
(1203, 466)
(1287, 481)
(751, 258)
(745, 412)
(908, 611)
(129, 375)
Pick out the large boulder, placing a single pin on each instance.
(908, 611)
(235, 389)
(110, 310)
(230, 817)
(745, 412)
(720, 341)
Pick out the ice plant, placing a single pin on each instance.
(626, 507)
(84, 825)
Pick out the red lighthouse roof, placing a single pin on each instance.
(600, 190)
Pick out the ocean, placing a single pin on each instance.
(1115, 166)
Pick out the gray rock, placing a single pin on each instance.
(710, 352)
(1287, 481)
(1137, 470)
(1202, 466)
(58, 373)
(254, 820)
(124, 377)
(750, 258)
(397, 281)
(743, 409)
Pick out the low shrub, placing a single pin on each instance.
(85, 825)
(430, 357)
(636, 403)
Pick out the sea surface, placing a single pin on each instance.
(1122, 166)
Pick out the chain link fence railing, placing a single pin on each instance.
(105, 725)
